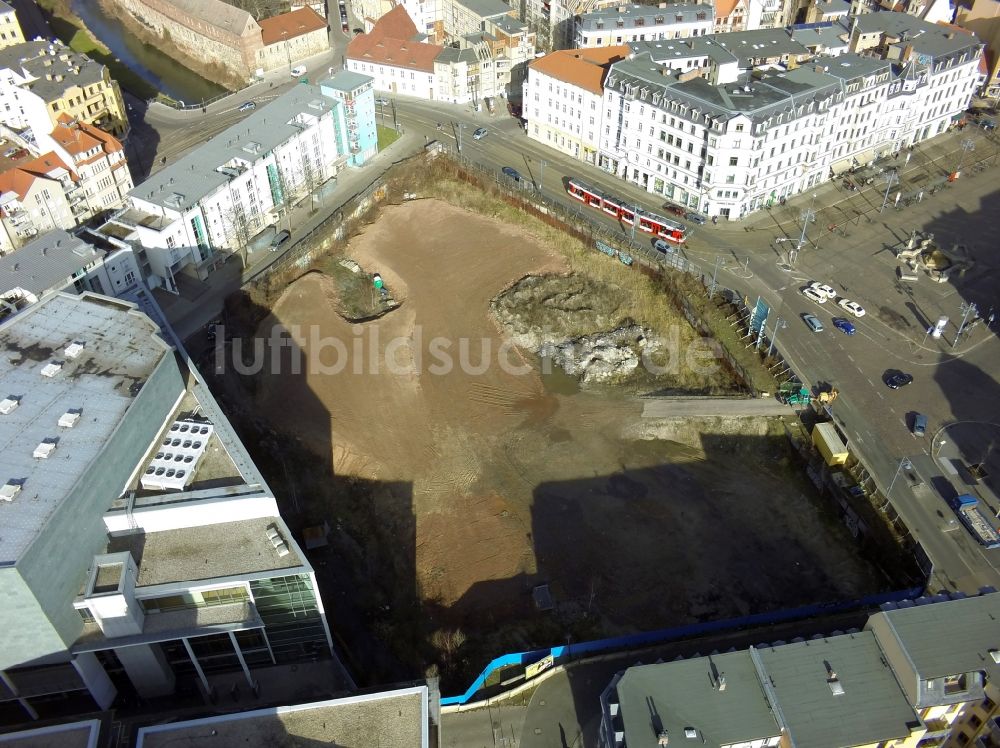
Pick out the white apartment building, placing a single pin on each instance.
(212, 202)
(562, 99)
(728, 149)
(636, 23)
(58, 261)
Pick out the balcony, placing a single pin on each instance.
(936, 728)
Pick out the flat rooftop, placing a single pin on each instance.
(837, 690)
(685, 695)
(121, 348)
(949, 637)
(391, 719)
(72, 735)
(190, 554)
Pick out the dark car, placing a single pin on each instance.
(248, 106)
(695, 218)
(677, 210)
(896, 379)
(511, 172)
(844, 326)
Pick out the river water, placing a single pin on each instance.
(164, 72)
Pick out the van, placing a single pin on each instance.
(661, 246)
(280, 238)
(298, 70)
(919, 424)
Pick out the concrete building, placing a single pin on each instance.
(552, 21)
(356, 131)
(983, 19)
(10, 27)
(922, 673)
(828, 691)
(489, 61)
(210, 204)
(58, 261)
(42, 81)
(727, 147)
(637, 23)
(84, 174)
(290, 37)
(946, 655)
(142, 550)
(562, 99)
(398, 718)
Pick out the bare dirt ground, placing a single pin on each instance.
(507, 484)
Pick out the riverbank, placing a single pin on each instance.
(71, 30)
(211, 72)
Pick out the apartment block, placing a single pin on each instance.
(921, 673)
(143, 551)
(482, 52)
(728, 146)
(41, 81)
(214, 201)
(59, 261)
(562, 99)
(637, 23)
(10, 27)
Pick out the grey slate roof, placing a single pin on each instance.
(749, 45)
(950, 637)
(683, 694)
(34, 59)
(871, 709)
(649, 14)
(821, 35)
(509, 25)
(45, 263)
(926, 38)
(486, 8)
(850, 66)
(662, 50)
(194, 175)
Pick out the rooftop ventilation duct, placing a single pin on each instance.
(68, 419)
(44, 449)
(9, 490)
(73, 350)
(51, 369)
(9, 404)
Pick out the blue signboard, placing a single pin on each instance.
(759, 315)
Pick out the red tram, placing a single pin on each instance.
(650, 223)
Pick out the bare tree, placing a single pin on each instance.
(239, 230)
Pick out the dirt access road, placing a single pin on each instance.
(504, 484)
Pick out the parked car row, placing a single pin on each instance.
(821, 292)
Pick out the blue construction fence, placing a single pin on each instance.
(564, 652)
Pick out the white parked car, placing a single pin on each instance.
(852, 306)
(824, 289)
(813, 295)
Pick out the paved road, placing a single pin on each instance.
(728, 407)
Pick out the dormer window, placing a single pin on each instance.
(955, 684)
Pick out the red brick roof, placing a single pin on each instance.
(79, 137)
(390, 42)
(290, 25)
(583, 68)
(20, 178)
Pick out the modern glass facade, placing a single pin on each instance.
(288, 608)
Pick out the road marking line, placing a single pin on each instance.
(881, 396)
(849, 356)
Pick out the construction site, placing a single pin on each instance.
(480, 508)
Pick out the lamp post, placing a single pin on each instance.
(967, 311)
(967, 145)
(779, 324)
(891, 178)
(807, 215)
(904, 463)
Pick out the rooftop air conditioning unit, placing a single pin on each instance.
(50, 370)
(9, 404)
(44, 449)
(73, 350)
(68, 419)
(9, 490)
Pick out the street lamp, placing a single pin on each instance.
(807, 216)
(967, 145)
(904, 463)
(891, 178)
(779, 324)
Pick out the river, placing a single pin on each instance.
(164, 72)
